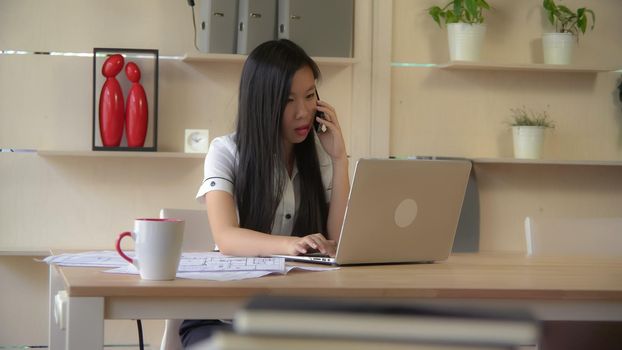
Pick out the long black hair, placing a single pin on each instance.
(260, 174)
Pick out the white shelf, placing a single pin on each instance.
(24, 252)
(235, 58)
(539, 67)
(546, 162)
(121, 154)
(213, 57)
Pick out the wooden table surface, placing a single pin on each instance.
(478, 276)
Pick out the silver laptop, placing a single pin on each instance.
(400, 211)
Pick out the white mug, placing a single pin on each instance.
(157, 247)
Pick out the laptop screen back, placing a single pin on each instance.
(402, 210)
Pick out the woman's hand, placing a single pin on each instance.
(313, 242)
(331, 139)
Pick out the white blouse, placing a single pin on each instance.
(219, 175)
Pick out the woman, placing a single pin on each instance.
(273, 187)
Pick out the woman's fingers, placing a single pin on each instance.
(330, 116)
(329, 125)
(322, 244)
(321, 104)
(316, 242)
(300, 249)
(304, 244)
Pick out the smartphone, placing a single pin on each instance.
(317, 125)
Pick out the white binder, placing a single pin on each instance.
(320, 27)
(256, 23)
(216, 27)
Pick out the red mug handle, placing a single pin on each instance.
(118, 246)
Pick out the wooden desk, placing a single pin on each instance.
(553, 288)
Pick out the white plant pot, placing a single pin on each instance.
(557, 47)
(528, 141)
(465, 41)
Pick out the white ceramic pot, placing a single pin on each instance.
(465, 41)
(528, 141)
(557, 47)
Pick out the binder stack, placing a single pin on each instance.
(256, 24)
(217, 26)
(321, 27)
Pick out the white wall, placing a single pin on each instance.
(466, 113)
(46, 104)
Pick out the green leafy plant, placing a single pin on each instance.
(523, 117)
(463, 11)
(568, 21)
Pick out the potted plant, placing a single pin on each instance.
(528, 132)
(557, 46)
(465, 27)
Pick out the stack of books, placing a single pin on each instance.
(270, 322)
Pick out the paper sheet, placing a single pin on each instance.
(105, 258)
(189, 262)
(226, 275)
(216, 262)
(196, 265)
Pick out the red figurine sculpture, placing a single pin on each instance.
(136, 110)
(111, 111)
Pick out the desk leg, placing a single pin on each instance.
(56, 336)
(85, 323)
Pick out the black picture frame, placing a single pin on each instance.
(148, 62)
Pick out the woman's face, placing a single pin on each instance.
(300, 109)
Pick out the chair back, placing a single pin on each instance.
(197, 237)
(197, 233)
(574, 236)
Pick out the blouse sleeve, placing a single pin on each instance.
(218, 171)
